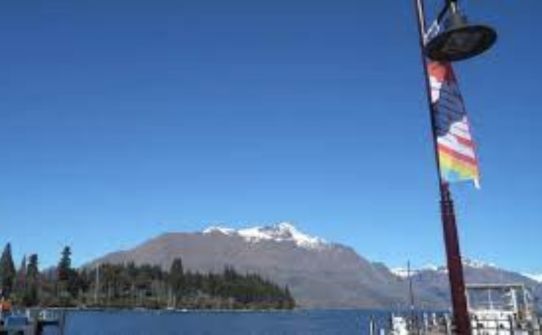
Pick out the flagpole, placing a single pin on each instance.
(451, 239)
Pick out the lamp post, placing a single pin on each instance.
(458, 41)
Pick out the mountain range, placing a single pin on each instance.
(319, 274)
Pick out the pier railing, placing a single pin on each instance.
(432, 324)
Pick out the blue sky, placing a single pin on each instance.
(120, 120)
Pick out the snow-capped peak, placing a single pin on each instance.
(223, 230)
(535, 277)
(404, 273)
(477, 264)
(283, 231)
(471, 263)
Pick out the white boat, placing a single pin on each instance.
(501, 309)
(399, 325)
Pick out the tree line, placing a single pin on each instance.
(130, 285)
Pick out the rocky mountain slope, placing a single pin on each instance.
(319, 274)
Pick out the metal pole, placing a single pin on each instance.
(413, 319)
(97, 284)
(451, 240)
(372, 326)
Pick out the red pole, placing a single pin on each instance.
(455, 266)
(451, 239)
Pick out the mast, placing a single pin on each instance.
(413, 318)
(97, 286)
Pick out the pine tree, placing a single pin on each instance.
(65, 264)
(63, 275)
(20, 279)
(176, 278)
(68, 279)
(30, 297)
(7, 271)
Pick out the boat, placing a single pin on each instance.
(494, 309)
(502, 309)
(27, 321)
(12, 322)
(399, 325)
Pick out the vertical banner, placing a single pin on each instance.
(456, 149)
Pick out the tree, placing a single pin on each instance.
(20, 279)
(65, 264)
(68, 279)
(128, 285)
(30, 297)
(7, 271)
(176, 278)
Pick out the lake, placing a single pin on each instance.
(235, 322)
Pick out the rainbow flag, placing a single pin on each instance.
(456, 149)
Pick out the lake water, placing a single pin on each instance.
(210, 323)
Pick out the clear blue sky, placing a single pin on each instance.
(120, 120)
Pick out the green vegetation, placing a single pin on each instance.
(7, 271)
(130, 285)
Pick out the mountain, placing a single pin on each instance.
(433, 280)
(319, 274)
(535, 277)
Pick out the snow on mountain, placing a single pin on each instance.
(225, 231)
(403, 272)
(535, 277)
(319, 274)
(280, 232)
(477, 264)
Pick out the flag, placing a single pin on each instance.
(456, 150)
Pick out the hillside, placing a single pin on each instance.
(319, 274)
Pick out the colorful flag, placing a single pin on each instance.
(456, 150)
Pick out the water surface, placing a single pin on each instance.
(234, 322)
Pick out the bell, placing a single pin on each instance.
(460, 40)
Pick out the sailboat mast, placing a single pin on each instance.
(96, 288)
(411, 294)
